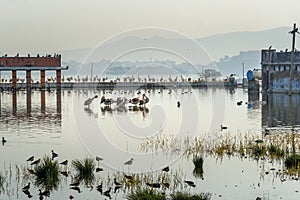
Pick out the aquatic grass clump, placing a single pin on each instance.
(2, 182)
(85, 170)
(186, 196)
(259, 150)
(275, 151)
(47, 174)
(292, 161)
(198, 161)
(146, 194)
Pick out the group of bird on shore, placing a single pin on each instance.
(119, 102)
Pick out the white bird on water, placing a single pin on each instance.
(129, 162)
(89, 101)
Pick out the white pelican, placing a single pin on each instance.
(106, 102)
(134, 101)
(144, 100)
(89, 101)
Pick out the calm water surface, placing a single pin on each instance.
(116, 134)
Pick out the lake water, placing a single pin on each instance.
(61, 122)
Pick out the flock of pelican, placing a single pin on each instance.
(120, 101)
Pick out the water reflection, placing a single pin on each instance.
(27, 112)
(43, 100)
(90, 112)
(281, 110)
(123, 109)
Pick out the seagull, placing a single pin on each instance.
(27, 193)
(89, 101)
(31, 158)
(75, 183)
(27, 187)
(76, 188)
(107, 193)
(45, 193)
(129, 177)
(190, 183)
(153, 185)
(98, 169)
(64, 163)
(54, 155)
(117, 187)
(99, 188)
(3, 140)
(65, 173)
(129, 162)
(98, 158)
(166, 185)
(116, 182)
(223, 127)
(36, 162)
(166, 169)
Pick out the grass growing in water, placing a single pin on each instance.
(47, 174)
(292, 161)
(145, 194)
(85, 170)
(186, 196)
(198, 161)
(2, 182)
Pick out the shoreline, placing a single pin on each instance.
(116, 85)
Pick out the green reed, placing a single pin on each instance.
(187, 196)
(47, 174)
(84, 170)
(2, 182)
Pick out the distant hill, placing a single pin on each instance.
(217, 46)
(232, 43)
(226, 51)
(233, 65)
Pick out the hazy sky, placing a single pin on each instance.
(48, 26)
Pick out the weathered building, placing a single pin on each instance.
(276, 68)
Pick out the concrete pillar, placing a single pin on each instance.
(28, 101)
(14, 79)
(58, 91)
(58, 79)
(14, 102)
(43, 101)
(28, 79)
(58, 101)
(43, 79)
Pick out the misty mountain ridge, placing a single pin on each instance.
(226, 51)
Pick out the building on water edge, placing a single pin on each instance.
(276, 68)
